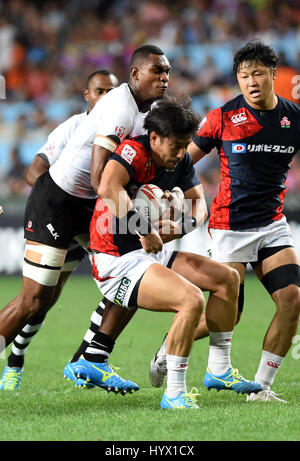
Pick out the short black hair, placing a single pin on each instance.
(255, 51)
(171, 118)
(143, 52)
(97, 72)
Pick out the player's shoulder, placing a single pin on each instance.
(73, 121)
(121, 96)
(289, 106)
(233, 104)
(138, 145)
(186, 161)
(134, 151)
(117, 107)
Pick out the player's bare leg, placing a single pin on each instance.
(283, 327)
(223, 284)
(114, 319)
(35, 296)
(287, 300)
(32, 327)
(202, 330)
(221, 281)
(174, 293)
(187, 311)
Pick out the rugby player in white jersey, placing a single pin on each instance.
(61, 202)
(98, 84)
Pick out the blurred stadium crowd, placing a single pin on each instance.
(49, 48)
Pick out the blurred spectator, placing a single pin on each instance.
(287, 83)
(7, 36)
(16, 182)
(37, 82)
(208, 77)
(48, 48)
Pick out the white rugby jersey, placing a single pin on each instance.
(115, 114)
(59, 137)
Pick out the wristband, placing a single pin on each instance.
(188, 224)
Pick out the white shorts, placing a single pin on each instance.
(243, 246)
(116, 276)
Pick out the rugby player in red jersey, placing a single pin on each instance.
(129, 259)
(256, 135)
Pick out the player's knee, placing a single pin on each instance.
(231, 283)
(288, 303)
(34, 302)
(194, 304)
(59, 287)
(234, 279)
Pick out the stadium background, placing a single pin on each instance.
(49, 48)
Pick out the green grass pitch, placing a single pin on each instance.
(50, 408)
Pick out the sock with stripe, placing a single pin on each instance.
(100, 348)
(96, 319)
(22, 341)
(268, 368)
(176, 377)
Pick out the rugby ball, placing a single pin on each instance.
(148, 201)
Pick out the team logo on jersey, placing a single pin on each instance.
(239, 119)
(122, 290)
(128, 153)
(285, 123)
(119, 131)
(239, 148)
(29, 226)
(52, 231)
(270, 148)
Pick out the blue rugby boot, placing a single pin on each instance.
(181, 401)
(231, 380)
(11, 378)
(103, 375)
(70, 376)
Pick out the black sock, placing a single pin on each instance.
(96, 319)
(100, 348)
(22, 341)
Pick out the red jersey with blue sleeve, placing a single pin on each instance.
(255, 148)
(135, 156)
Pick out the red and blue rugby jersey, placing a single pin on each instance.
(135, 156)
(255, 149)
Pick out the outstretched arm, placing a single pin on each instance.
(195, 152)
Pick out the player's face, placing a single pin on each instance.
(152, 77)
(257, 84)
(167, 152)
(99, 86)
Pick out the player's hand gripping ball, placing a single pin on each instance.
(149, 202)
